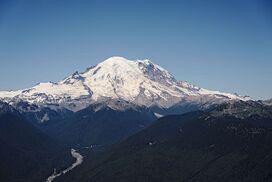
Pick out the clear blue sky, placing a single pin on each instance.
(215, 44)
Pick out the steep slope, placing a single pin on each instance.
(140, 82)
(26, 153)
(222, 144)
(100, 124)
(38, 115)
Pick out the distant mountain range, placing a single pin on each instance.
(133, 121)
(140, 82)
(267, 102)
(130, 93)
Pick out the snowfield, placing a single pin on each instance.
(140, 82)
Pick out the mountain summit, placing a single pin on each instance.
(139, 82)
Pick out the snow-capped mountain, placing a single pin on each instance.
(140, 82)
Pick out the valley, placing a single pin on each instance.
(135, 91)
(141, 125)
(79, 160)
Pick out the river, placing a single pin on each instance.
(79, 160)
